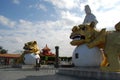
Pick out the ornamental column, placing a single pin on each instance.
(57, 57)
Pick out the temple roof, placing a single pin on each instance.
(10, 55)
(46, 48)
(46, 51)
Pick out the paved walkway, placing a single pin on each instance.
(24, 74)
(88, 72)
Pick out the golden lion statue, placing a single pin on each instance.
(109, 41)
(29, 47)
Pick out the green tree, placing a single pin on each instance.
(3, 51)
(0, 47)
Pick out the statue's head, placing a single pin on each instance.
(31, 47)
(83, 33)
(87, 9)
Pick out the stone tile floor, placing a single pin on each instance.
(31, 74)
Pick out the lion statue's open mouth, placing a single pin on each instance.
(77, 37)
(82, 34)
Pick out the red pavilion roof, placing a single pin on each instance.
(46, 51)
(46, 48)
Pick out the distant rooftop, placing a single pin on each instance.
(46, 48)
(10, 55)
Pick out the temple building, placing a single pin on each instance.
(7, 59)
(46, 51)
(47, 57)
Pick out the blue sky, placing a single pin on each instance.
(50, 21)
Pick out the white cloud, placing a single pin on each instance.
(16, 1)
(71, 16)
(64, 4)
(6, 22)
(18, 39)
(25, 24)
(53, 33)
(38, 6)
(41, 6)
(108, 19)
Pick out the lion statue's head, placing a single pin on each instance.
(83, 33)
(31, 47)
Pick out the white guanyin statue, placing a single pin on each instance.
(81, 35)
(89, 16)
